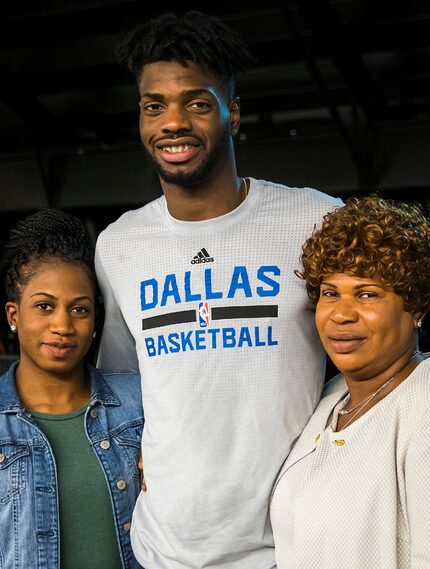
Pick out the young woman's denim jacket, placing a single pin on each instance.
(29, 520)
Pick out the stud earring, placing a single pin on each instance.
(234, 129)
(419, 323)
(94, 334)
(13, 328)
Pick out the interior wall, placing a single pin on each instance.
(118, 176)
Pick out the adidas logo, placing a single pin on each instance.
(202, 257)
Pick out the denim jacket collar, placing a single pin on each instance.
(101, 392)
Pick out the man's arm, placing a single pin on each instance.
(117, 347)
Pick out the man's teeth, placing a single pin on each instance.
(175, 149)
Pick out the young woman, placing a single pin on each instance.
(69, 434)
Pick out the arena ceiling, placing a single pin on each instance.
(357, 68)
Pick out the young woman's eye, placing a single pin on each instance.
(81, 310)
(44, 306)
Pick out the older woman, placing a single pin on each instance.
(355, 490)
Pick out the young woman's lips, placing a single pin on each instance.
(344, 343)
(58, 350)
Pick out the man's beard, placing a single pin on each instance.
(196, 177)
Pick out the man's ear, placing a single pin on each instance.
(234, 107)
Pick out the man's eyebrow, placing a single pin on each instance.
(185, 93)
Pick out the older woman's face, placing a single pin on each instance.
(362, 325)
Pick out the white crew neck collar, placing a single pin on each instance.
(214, 224)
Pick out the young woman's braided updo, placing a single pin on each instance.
(48, 234)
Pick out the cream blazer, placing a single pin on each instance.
(359, 498)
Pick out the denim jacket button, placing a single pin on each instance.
(127, 526)
(121, 484)
(105, 445)
(2, 457)
(93, 413)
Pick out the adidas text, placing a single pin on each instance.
(204, 260)
(202, 257)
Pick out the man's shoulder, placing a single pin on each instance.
(301, 206)
(297, 193)
(133, 219)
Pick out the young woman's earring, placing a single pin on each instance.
(94, 334)
(419, 323)
(13, 328)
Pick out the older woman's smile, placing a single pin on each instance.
(344, 342)
(362, 324)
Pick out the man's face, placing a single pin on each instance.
(187, 119)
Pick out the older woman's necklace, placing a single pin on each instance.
(369, 398)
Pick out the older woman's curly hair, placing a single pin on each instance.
(376, 238)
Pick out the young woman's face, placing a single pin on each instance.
(54, 318)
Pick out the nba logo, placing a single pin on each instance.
(204, 314)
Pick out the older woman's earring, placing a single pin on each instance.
(419, 323)
(94, 334)
(13, 328)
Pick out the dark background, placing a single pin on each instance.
(338, 99)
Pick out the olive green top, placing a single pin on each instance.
(87, 531)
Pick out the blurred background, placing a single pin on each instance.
(338, 99)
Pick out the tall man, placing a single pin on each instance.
(201, 295)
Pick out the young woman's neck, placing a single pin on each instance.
(50, 393)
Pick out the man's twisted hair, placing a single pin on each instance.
(197, 37)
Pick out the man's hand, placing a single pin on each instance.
(141, 472)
